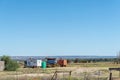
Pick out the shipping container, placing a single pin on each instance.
(51, 62)
(62, 63)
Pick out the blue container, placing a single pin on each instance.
(51, 61)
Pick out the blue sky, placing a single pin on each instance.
(59, 27)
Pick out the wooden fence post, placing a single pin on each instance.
(70, 75)
(110, 77)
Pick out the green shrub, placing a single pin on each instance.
(10, 65)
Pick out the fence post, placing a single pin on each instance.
(119, 73)
(70, 75)
(110, 77)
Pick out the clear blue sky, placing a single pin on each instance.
(59, 27)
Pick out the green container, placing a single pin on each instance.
(44, 64)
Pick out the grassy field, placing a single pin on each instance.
(97, 64)
(80, 71)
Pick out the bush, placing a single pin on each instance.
(10, 65)
(6, 59)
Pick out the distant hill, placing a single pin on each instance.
(64, 57)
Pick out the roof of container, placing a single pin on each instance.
(51, 58)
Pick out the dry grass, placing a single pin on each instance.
(98, 64)
(79, 72)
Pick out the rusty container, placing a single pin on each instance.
(62, 63)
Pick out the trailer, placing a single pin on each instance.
(32, 63)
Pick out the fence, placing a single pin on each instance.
(51, 74)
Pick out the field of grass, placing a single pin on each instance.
(97, 64)
(80, 71)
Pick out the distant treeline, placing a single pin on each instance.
(90, 60)
(78, 60)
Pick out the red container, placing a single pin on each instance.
(62, 62)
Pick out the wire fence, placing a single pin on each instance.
(48, 74)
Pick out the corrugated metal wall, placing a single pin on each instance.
(2, 65)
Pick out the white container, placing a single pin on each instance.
(39, 63)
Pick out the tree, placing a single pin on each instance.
(6, 59)
(10, 65)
